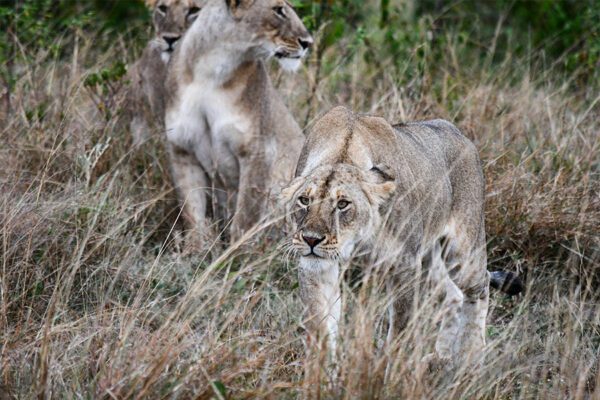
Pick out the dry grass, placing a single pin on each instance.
(97, 301)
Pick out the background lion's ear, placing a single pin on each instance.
(287, 193)
(150, 4)
(238, 6)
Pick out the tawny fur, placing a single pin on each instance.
(146, 97)
(409, 196)
(231, 138)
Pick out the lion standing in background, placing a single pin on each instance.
(231, 138)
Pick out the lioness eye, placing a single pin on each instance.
(279, 11)
(342, 204)
(162, 8)
(304, 200)
(193, 10)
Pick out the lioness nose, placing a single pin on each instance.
(312, 241)
(305, 43)
(170, 40)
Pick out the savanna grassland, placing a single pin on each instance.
(97, 299)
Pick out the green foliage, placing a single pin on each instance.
(106, 76)
(104, 87)
(30, 28)
(220, 389)
(37, 24)
(564, 32)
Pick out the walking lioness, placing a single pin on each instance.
(411, 197)
(231, 138)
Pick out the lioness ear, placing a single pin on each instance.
(382, 173)
(151, 4)
(381, 185)
(381, 192)
(237, 6)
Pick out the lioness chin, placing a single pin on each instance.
(408, 196)
(231, 139)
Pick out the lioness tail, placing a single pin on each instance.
(506, 282)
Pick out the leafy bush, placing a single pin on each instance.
(30, 29)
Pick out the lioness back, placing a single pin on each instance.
(453, 155)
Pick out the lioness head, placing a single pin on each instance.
(274, 27)
(335, 207)
(171, 18)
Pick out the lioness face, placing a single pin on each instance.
(275, 27)
(334, 208)
(171, 18)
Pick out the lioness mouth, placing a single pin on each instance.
(313, 255)
(280, 54)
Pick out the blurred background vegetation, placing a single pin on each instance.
(559, 34)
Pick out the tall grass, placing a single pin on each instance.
(97, 299)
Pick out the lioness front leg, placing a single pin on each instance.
(320, 293)
(192, 184)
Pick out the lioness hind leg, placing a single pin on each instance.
(466, 265)
(192, 185)
(140, 130)
(474, 313)
(446, 345)
(475, 286)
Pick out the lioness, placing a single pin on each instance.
(231, 138)
(411, 197)
(170, 18)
